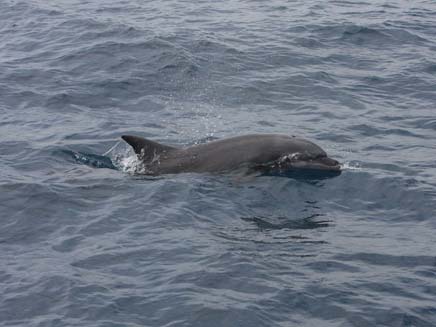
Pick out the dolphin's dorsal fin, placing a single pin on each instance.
(146, 149)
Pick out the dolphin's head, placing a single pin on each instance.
(310, 161)
(296, 154)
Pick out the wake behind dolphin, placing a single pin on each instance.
(264, 152)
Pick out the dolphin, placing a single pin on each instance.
(265, 152)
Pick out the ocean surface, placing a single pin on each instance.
(84, 241)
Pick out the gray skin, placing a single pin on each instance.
(258, 151)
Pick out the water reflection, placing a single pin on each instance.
(265, 223)
(89, 159)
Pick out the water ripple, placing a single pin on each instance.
(87, 242)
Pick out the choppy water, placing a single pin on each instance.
(87, 246)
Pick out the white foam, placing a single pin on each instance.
(351, 166)
(129, 164)
(125, 159)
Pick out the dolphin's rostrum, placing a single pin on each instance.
(257, 151)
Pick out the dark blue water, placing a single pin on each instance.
(84, 242)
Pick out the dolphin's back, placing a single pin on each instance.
(232, 153)
(221, 155)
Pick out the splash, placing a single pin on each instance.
(112, 148)
(124, 159)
